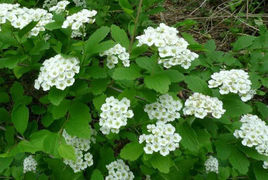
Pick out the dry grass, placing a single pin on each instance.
(215, 20)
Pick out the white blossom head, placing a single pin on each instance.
(81, 146)
(119, 170)
(59, 7)
(172, 49)
(166, 109)
(212, 165)
(114, 114)
(265, 165)
(29, 164)
(201, 105)
(78, 20)
(162, 138)
(115, 54)
(254, 133)
(57, 71)
(233, 81)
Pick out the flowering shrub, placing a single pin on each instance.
(96, 90)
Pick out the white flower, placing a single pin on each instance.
(29, 164)
(171, 48)
(76, 21)
(49, 3)
(233, 81)
(114, 115)
(118, 170)
(81, 3)
(81, 146)
(57, 71)
(212, 165)
(201, 105)
(59, 7)
(21, 17)
(254, 133)
(265, 165)
(162, 139)
(166, 109)
(115, 53)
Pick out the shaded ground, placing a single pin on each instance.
(216, 19)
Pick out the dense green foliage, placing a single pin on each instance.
(31, 121)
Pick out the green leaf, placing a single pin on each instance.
(131, 151)
(4, 163)
(95, 38)
(148, 63)
(174, 75)
(243, 42)
(130, 73)
(263, 109)
(239, 161)
(78, 123)
(196, 84)
(98, 101)
(20, 117)
(223, 149)
(66, 151)
(162, 163)
(120, 36)
(4, 115)
(96, 72)
(98, 86)
(60, 110)
(260, 173)
(159, 82)
(55, 96)
(27, 28)
(189, 137)
(4, 98)
(96, 175)
(234, 106)
(11, 61)
(126, 6)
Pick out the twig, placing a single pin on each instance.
(135, 26)
(198, 7)
(19, 137)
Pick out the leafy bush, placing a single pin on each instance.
(102, 96)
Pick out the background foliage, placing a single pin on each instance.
(31, 121)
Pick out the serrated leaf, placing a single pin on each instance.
(98, 101)
(131, 151)
(234, 106)
(239, 161)
(148, 63)
(196, 84)
(260, 172)
(78, 123)
(162, 163)
(130, 73)
(96, 175)
(189, 137)
(120, 36)
(27, 28)
(60, 110)
(243, 42)
(55, 96)
(174, 75)
(159, 82)
(98, 86)
(20, 117)
(66, 151)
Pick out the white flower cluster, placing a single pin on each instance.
(80, 3)
(212, 165)
(234, 81)
(162, 139)
(57, 71)
(81, 146)
(254, 132)
(76, 21)
(29, 164)
(49, 3)
(115, 53)
(201, 105)
(59, 7)
(172, 49)
(21, 17)
(114, 114)
(118, 170)
(265, 165)
(166, 109)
